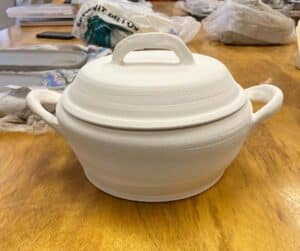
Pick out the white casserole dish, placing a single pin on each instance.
(152, 128)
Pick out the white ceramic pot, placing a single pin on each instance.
(157, 126)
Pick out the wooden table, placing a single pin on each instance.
(46, 203)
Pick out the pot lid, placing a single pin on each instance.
(153, 89)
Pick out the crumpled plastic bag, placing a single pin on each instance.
(106, 22)
(275, 4)
(199, 8)
(249, 22)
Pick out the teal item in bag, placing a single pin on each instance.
(99, 32)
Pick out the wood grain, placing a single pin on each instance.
(46, 203)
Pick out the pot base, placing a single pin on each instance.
(155, 198)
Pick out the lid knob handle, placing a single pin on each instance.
(152, 40)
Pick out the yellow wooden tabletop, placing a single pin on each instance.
(46, 203)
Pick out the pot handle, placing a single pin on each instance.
(269, 94)
(36, 98)
(152, 40)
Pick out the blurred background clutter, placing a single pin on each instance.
(4, 20)
(101, 24)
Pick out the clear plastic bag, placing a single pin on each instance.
(275, 4)
(199, 8)
(106, 22)
(249, 22)
(186, 27)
